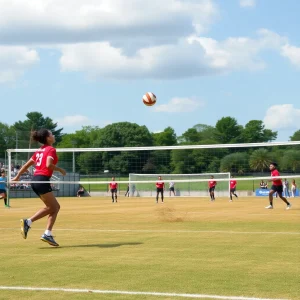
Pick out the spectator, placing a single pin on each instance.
(80, 191)
(3, 194)
(293, 188)
(263, 185)
(285, 186)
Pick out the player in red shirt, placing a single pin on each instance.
(113, 187)
(233, 184)
(211, 187)
(160, 187)
(45, 160)
(276, 187)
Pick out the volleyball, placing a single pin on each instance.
(149, 99)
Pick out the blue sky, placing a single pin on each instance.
(89, 62)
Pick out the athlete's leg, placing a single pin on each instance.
(52, 208)
(283, 198)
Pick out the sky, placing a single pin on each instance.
(89, 62)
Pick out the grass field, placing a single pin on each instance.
(184, 246)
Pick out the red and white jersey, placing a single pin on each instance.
(233, 184)
(40, 159)
(113, 185)
(160, 184)
(275, 173)
(212, 183)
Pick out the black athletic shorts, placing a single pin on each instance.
(2, 191)
(159, 190)
(41, 188)
(277, 188)
(232, 190)
(113, 190)
(212, 189)
(171, 189)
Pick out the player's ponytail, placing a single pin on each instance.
(40, 135)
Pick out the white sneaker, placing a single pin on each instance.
(269, 207)
(230, 200)
(289, 206)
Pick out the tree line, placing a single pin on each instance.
(125, 134)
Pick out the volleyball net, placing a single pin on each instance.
(188, 167)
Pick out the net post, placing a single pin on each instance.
(229, 174)
(8, 177)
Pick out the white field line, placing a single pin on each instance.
(199, 296)
(165, 231)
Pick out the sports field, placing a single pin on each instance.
(136, 249)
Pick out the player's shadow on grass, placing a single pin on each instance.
(113, 245)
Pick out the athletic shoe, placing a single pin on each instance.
(49, 239)
(230, 200)
(24, 228)
(289, 206)
(269, 207)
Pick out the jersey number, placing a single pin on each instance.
(39, 157)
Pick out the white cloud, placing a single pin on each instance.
(192, 56)
(14, 61)
(284, 116)
(247, 3)
(176, 105)
(76, 122)
(70, 21)
(292, 53)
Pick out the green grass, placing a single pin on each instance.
(186, 245)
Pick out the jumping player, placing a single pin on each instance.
(211, 187)
(276, 187)
(113, 186)
(160, 187)
(233, 184)
(45, 160)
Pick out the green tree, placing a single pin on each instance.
(197, 134)
(125, 134)
(191, 136)
(235, 163)
(35, 121)
(260, 160)
(228, 130)
(160, 160)
(255, 132)
(165, 138)
(84, 138)
(206, 132)
(291, 161)
(7, 138)
(295, 136)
